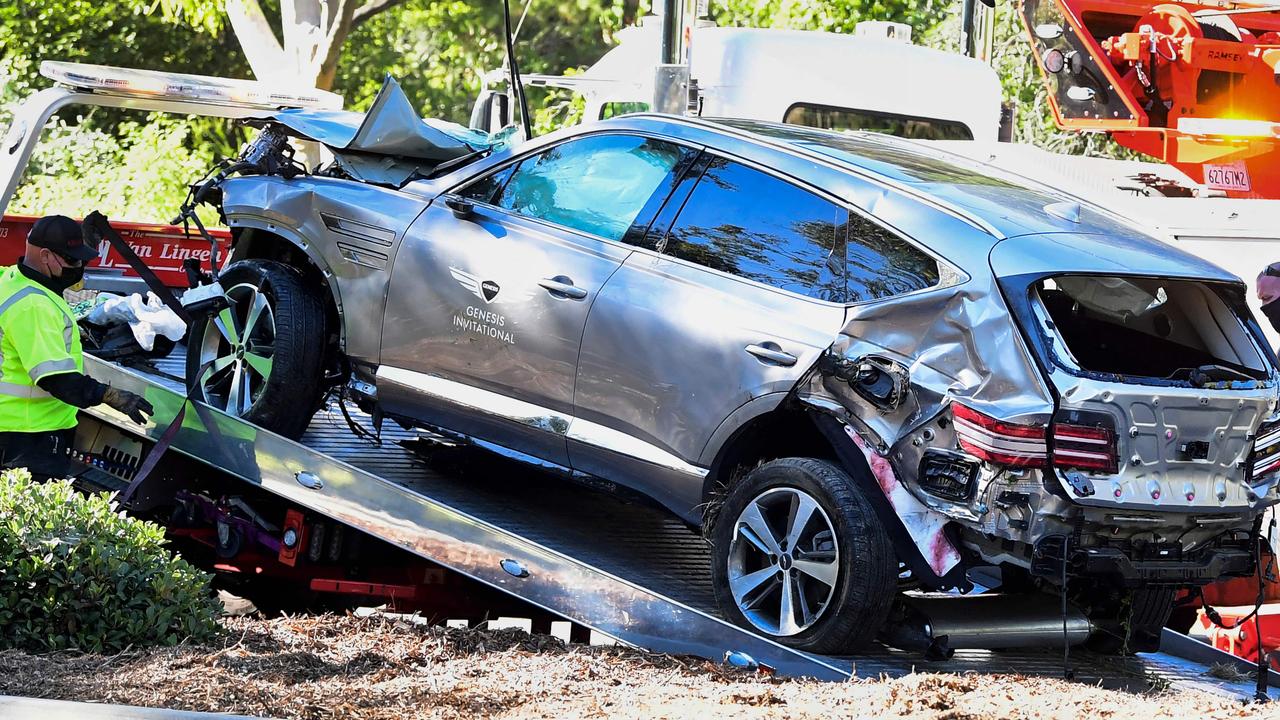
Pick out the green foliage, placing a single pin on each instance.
(139, 172)
(437, 49)
(77, 574)
(110, 159)
(107, 32)
(829, 15)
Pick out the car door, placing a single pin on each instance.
(740, 288)
(488, 298)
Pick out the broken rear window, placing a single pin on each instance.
(1179, 330)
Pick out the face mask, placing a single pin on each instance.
(1272, 311)
(70, 277)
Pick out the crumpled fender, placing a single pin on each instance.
(953, 343)
(918, 533)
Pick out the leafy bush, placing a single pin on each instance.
(77, 574)
(140, 173)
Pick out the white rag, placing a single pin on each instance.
(147, 318)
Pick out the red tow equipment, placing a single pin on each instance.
(1194, 84)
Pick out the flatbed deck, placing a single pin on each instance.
(619, 566)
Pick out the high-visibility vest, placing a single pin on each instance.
(38, 338)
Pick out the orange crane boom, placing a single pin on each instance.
(1194, 84)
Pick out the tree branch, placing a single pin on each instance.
(371, 8)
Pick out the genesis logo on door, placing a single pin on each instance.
(486, 290)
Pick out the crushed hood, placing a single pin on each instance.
(390, 143)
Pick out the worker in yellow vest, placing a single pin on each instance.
(42, 379)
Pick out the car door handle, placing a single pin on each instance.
(771, 352)
(561, 285)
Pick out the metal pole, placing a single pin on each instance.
(671, 75)
(967, 44)
(670, 32)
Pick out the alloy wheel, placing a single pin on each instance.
(784, 561)
(237, 349)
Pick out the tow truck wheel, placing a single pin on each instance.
(800, 556)
(260, 358)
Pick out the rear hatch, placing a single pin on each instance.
(1163, 381)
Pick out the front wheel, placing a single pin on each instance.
(800, 556)
(261, 358)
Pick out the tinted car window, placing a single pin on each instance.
(597, 185)
(881, 264)
(753, 225)
(842, 119)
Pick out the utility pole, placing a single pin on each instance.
(671, 76)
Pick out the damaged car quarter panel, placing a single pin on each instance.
(349, 231)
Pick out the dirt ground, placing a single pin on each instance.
(376, 668)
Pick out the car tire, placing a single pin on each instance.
(842, 541)
(1134, 626)
(278, 365)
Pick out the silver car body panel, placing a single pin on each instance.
(350, 231)
(539, 418)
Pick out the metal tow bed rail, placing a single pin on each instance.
(625, 569)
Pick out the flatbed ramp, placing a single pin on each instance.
(626, 569)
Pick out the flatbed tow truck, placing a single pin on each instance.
(420, 522)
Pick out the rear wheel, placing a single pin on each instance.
(800, 556)
(261, 358)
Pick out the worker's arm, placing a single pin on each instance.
(73, 388)
(43, 342)
(82, 391)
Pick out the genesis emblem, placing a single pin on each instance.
(486, 290)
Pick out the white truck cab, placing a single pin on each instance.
(872, 80)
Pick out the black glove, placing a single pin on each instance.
(135, 406)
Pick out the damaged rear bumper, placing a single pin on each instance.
(1163, 566)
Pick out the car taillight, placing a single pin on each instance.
(999, 442)
(1085, 447)
(1266, 451)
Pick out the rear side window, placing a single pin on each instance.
(597, 185)
(747, 223)
(882, 264)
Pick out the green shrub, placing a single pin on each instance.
(77, 574)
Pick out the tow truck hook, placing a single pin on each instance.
(205, 300)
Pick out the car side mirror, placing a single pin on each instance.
(462, 209)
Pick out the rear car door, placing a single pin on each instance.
(738, 289)
(486, 306)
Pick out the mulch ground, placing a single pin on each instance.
(376, 668)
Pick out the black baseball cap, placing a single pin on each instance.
(62, 235)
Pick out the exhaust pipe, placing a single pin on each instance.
(938, 625)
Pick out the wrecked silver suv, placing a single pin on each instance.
(859, 366)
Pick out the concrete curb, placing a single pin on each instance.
(18, 708)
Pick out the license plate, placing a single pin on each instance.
(1231, 176)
